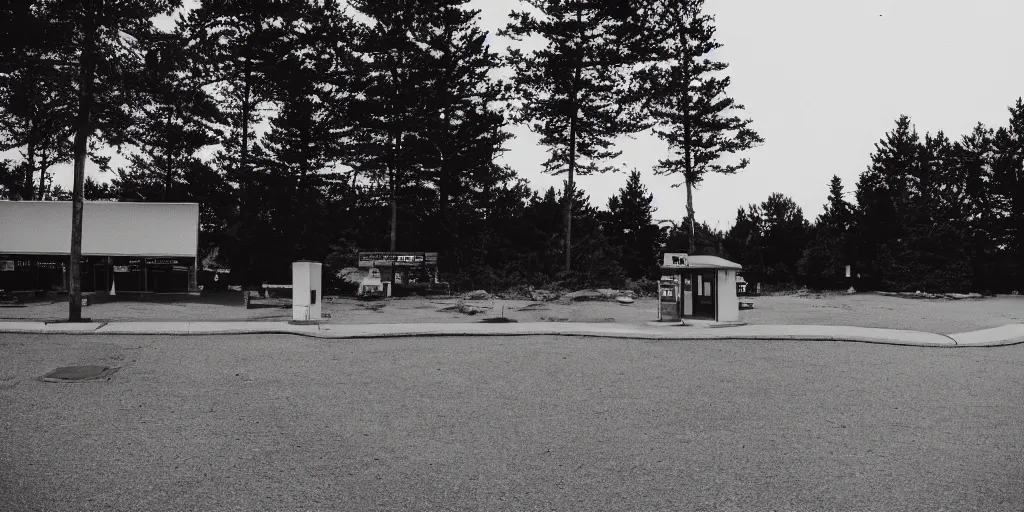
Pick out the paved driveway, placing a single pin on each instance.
(288, 423)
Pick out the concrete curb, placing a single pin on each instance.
(1012, 334)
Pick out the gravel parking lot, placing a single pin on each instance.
(542, 423)
(941, 316)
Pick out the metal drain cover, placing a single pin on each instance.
(78, 373)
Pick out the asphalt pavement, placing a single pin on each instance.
(278, 422)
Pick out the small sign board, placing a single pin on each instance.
(396, 259)
(158, 261)
(7, 266)
(676, 259)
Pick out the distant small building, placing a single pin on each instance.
(405, 272)
(215, 276)
(136, 247)
(698, 287)
(371, 285)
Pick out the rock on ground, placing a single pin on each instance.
(543, 295)
(477, 295)
(466, 309)
(600, 294)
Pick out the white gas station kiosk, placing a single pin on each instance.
(698, 287)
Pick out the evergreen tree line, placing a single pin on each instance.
(313, 129)
(929, 214)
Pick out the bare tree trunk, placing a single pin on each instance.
(302, 192)
(445, 186)
(83, 129)
(1018, 208)
(30, 168)
(42, 178)
(246, 107)
(246, 217)
(570, 190)
(444, 193)
(688, 142)
(570, 193)
(169, 162)
(394, 220)
(689, 211)
(444, 181)
(394, 192)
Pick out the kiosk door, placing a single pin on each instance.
(704, 295)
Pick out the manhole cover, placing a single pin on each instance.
(78, 373)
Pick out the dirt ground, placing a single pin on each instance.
(942, 316)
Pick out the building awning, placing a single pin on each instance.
(108, 228)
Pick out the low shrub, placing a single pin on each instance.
(642, 287)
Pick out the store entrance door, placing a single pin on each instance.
(101, 277)
(159, 279)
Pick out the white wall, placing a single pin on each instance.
(728, 304)
(108, 228)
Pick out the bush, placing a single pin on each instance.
(343, 288)
(773, 289)
(642, 287)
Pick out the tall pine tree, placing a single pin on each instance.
(828, 249)
(973, 161)
(242, 43)
(98, 47)
(573, 91)
(463, 129)
(176, 120)
(687, 98)
(1008, 190)
(35, 92)
(884, 200)
(313, 88)
(391, 114)
(630, 226)
(935, 250)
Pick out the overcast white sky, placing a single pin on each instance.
(823, 81)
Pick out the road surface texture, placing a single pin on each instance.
(527, 423)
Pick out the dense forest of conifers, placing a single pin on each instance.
(311, 129)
